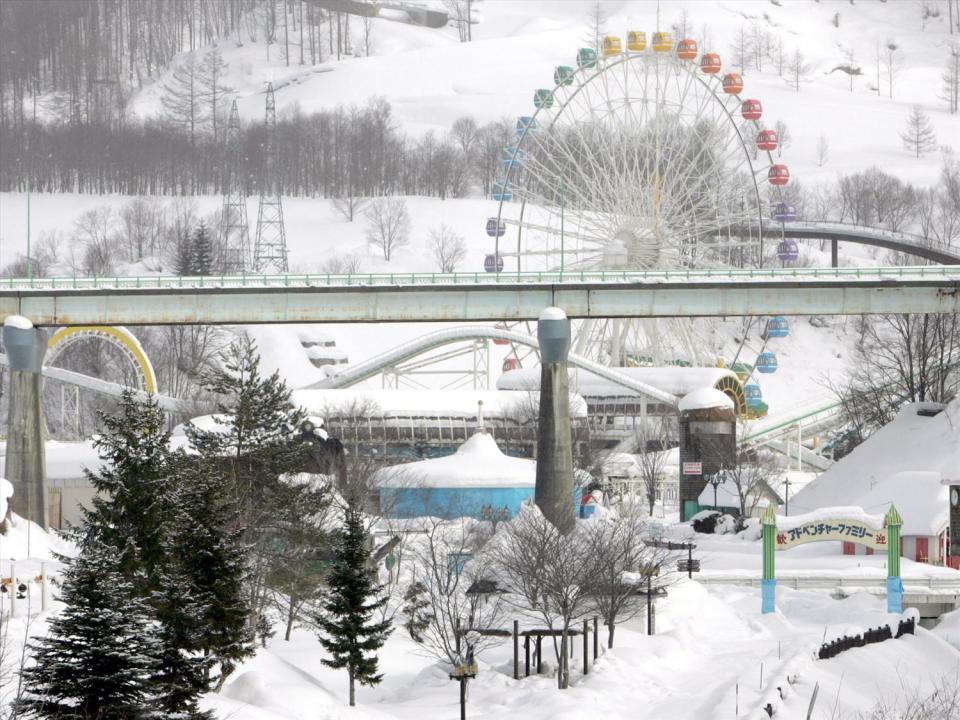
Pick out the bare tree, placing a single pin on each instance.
(784, 138)
(951, 80)
(451, 611)
(900, 358)
(545, 572)
(181, 99)
(798, 70)
(461, 11)
(742, 48)
(388, 225)
(653, 439)
(348, 264)
(891, 63)
(447, 247)
(616, 548)
(823, 150)
(750, 477)
(94, 229)
(918, 136)
(349, 205)
(211, 89)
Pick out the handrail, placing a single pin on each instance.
(166, 282)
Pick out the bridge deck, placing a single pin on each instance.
(458, 297)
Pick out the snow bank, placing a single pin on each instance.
(6, 492)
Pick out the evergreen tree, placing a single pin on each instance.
(415, 608)
(212, 560)
(183, 258)
(97, 659)
(202, 251)
(918, 136)
(133, 501)
(258, 449)
(347, 630)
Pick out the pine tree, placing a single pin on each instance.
(347, 630)
(415, 608)
(202, 251)
(596, 27)
(212, 564)
(183, 259)
(132, 504)
(98, 656)
(256, 447)
(918, 136)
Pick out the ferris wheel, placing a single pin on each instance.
(642, 158)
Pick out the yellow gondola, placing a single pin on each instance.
(636, 41)
(662, 42)
(612, 46)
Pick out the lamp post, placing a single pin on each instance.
(717, 479)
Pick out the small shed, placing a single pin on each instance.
(478, 477)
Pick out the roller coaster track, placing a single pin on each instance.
(903, 242)
(430, 341)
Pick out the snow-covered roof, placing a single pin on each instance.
(704, 398)
(476, 463)
(66, 460)
(431, 403)
(674, 380)
(903, 463)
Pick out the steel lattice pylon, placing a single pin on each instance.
(270, 250)
(234, 231)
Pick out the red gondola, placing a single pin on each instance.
(778, 175)
(500, 341)
(710, 63)
(687, 49)
(767, 140)
(732, 84)
(751, 109)
(510, 363)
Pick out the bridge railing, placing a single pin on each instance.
(167, 282)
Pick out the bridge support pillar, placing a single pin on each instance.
(554, 486)
(834, 253)
(25, 461)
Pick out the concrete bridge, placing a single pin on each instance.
(461, 297)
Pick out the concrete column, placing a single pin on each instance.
(554, 488)
(26, 457)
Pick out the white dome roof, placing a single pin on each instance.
(476, 463)
(704, 398)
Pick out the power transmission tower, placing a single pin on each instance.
(270, 251)
(234, 232)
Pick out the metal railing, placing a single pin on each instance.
(166, 282)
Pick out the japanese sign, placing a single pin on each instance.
(854, 531)
(692, 468)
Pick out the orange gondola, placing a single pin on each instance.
(778, 175)
(687, 49)
(767, 140)
(710, 63)
(751, 109)
(732, 83)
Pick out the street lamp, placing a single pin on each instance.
(716, 479)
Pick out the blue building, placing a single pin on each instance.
(475, 480)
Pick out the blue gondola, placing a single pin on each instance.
(501, 191)
(784, 212)
(787, 250)
(754, 395)
(512, 158)
(777, 327)
(496, 228)
(767, 363)
(526, 124)
(493, 263)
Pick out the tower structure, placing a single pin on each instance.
(234, 230)
(270, 249)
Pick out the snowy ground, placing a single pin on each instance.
(706, 660)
